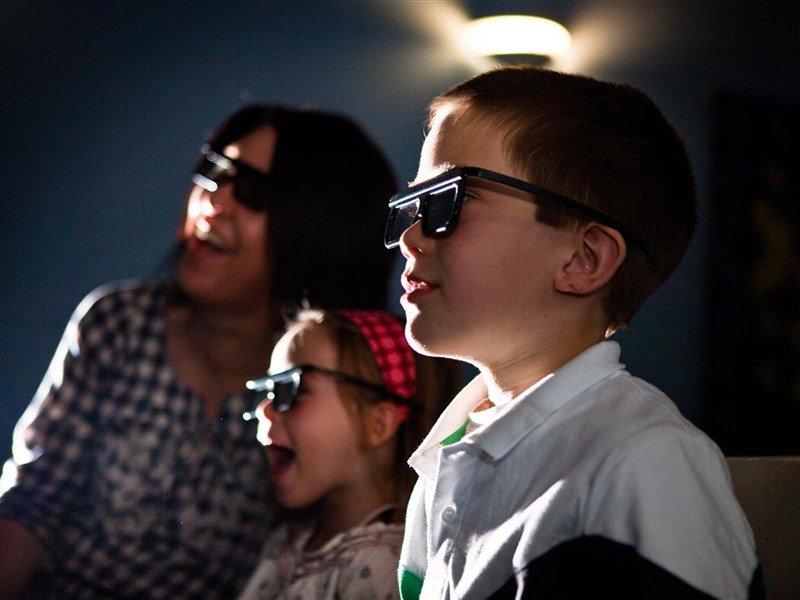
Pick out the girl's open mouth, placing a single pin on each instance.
(281, 459)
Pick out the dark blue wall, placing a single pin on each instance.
(104, 106)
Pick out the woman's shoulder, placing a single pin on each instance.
(122, 296)
(113, 314)
(107, 304)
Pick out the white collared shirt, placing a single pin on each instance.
(588, 452)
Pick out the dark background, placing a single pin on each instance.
(104, 107)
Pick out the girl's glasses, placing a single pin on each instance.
(282, 389)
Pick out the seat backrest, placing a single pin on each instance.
(768, 488)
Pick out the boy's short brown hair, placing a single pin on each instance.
(605, 145)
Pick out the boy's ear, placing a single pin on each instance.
(380, 423)
(598, 252)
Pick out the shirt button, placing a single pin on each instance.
(449, 514)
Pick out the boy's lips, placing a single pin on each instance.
(415, 286)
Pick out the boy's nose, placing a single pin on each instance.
(413, 242)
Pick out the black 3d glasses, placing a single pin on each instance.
(282, 389)
(250, 186)
(436, 204)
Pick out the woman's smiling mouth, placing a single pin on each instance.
(210, 237)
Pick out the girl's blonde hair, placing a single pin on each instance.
(438, 380)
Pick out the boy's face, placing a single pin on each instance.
(489, 291)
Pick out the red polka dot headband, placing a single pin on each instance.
(386, 338)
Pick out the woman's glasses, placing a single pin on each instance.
(250, 186)
(282, 389)
(436, 204)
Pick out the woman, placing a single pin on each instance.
(133, 472)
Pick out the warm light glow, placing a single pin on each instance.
(443, 23)
(607, 36)
(516, 34)
(231, 151)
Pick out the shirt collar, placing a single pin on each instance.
(523, 414)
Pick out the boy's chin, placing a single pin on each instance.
(426, 338)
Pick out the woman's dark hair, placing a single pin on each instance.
(325, 224)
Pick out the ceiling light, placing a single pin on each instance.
(533, 39)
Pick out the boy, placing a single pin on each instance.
(549, 207)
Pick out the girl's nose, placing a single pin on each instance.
(266, 417)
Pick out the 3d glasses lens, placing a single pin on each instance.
(250, 191)
(436, 207)
(440, 210)
(280, 389)
(213, 170)
(249, 185)
(401, 218)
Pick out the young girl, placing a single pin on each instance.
(343, 410)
